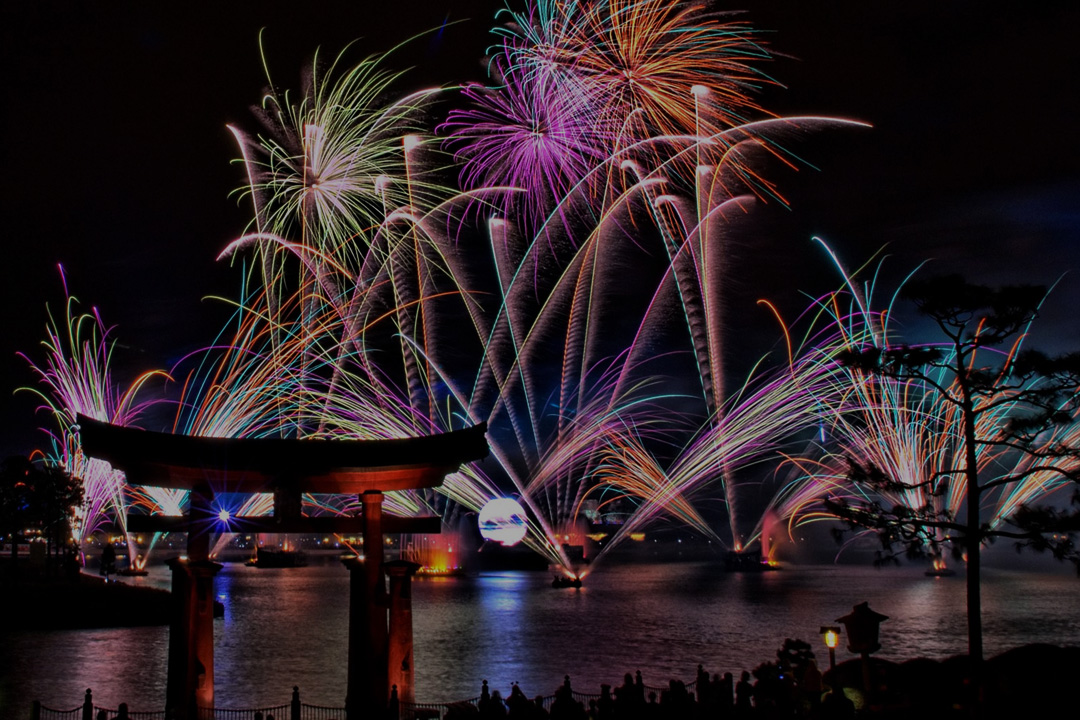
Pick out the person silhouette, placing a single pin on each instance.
(108, 559)
(744, 691)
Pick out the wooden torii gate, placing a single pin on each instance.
(380, 644)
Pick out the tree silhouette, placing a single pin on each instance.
(1018, 407)
(37, 496)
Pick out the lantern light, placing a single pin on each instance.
(831, 635)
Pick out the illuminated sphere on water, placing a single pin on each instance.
(502, 520)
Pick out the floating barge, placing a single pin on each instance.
(274, 558)
(747, 562)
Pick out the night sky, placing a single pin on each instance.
(118, 158)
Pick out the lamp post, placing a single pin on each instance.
(831, 635)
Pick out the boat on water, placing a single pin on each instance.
(561, 581)
(735, 561)
(939, 569)
(133, 572)
(274, 558)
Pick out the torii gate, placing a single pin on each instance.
(380, 644)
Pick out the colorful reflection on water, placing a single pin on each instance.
(289, 627)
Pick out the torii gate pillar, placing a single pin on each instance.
(400, 653)
(191, 638)
(190, 683)
(367, 691)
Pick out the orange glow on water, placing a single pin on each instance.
(770, 559)
(433, 553)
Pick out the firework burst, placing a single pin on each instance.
(76, 378)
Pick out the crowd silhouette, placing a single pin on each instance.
(773, 691)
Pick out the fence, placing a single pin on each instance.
(294, 710)
(89, 711)
(279, 712)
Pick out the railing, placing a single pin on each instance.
(424, 711)
(40, 712)
(93, 712)
(278, 712)
(106, 714)
(317, 712)
(294, 710)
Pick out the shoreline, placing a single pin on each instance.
(80, 603)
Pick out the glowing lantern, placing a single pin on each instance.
(831, 635)
(502, 520)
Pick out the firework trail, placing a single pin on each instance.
(353, 397)
(322, 357)
(643, 85)
(633, 63)
(526, 135)
(319, 171)
(75, 377)
(911, 432)
(322, 175)
(576, 83)
(616, 133)
(899, 426)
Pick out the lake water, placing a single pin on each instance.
(289, 627)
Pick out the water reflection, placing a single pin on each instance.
(502, 596)
(290, 627)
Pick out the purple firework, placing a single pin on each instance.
(533, 134)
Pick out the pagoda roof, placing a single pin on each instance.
(262, 464)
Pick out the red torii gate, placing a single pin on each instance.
(380, 644)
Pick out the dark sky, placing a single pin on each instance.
(118, 159)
